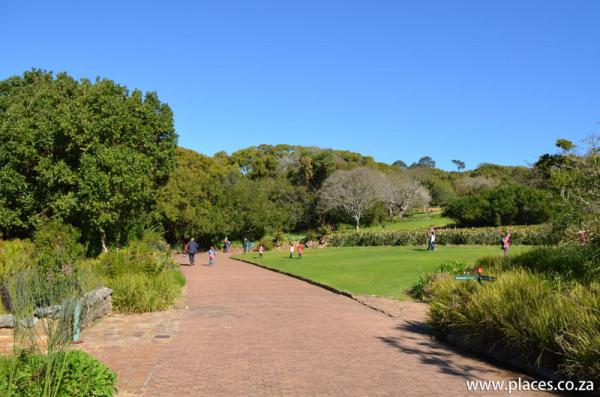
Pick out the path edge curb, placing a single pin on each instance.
(315, 283)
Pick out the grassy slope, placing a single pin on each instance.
(416, 222)
(382, 271)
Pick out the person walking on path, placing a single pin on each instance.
(300, 249)
(506, 243)
(211, 256)
(226, 245)
(245, 245)
(192, 249)
(261, 249)
(291, 250)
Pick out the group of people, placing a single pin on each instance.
(298, 248)
(191, 249)
(504, 241)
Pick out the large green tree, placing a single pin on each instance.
(91, 154)
(577, 178)
(507, 205)
(193, 203)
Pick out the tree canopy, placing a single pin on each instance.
(90, 154)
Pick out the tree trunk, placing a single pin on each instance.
(103, 240)
(357, 223)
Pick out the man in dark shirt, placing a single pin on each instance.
(192, 250)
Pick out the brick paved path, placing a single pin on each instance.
(247, 331)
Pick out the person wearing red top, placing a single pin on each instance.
(300, 249)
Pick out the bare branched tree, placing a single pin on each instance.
(473, 184)
(353, 192)
(401, 192)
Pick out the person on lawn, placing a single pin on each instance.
(432, 239)
(192, 249)
(506, 243)
(261, 249)
(431, 231)
(291, 249)
(300, 249)
(211, 256)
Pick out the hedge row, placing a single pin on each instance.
(527, 235)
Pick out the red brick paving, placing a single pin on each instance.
(247, 331)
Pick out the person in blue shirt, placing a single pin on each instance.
(192, 250)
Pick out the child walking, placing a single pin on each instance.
(291, 250)
(211, 256)
(261, 249)
(300, 249)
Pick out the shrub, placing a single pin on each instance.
(528, 235)
(550, 324)
(278, 238)
(68, 374)
(508, 205)
(311, 235)
(143, 276)
(268, 242)
(15, 255)
(421, 290)
(57, 247)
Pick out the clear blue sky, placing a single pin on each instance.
(495, 81)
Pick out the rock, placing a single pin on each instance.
(29, 322)
(7, 321)
(50, 311)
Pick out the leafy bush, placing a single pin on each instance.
(528, 235)
(15, 255)
(421, 290)
(57, 247)
(550, 324)
(509, 205)
(268, 242)
(311, 235)
(67, 374)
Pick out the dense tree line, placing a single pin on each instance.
(104, 159)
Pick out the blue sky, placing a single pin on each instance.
(480, 81)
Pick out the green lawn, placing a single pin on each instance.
(382, 271)
(415, 222)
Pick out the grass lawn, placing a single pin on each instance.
(416, 222)
(381, 271)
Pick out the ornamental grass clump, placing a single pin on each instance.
(545, 322)
(43, 304)
(143, 276)
(140, 292)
